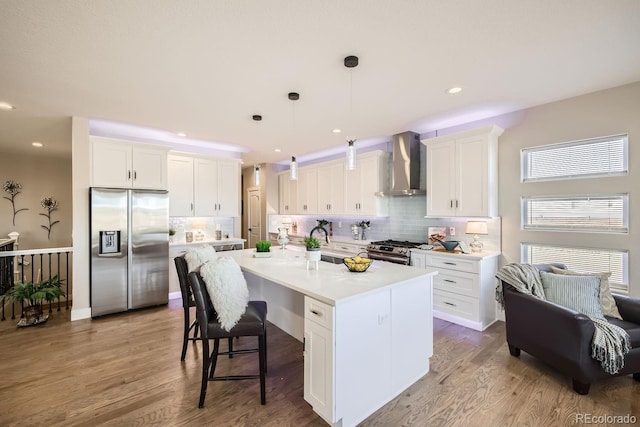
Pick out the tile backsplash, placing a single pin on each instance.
(406, 221)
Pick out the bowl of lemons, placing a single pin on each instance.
(357, 264)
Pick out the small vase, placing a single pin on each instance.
(313, 256)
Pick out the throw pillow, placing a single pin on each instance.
(579, 293)
(227, 289)
(609, 306)
(195, 257)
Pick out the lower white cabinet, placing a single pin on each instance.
(464, 289)
(363, 352)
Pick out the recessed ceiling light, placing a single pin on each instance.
(6, 106)
(336, 130)
(182, 134)
(36, 144)
(454, 90)
(277, 150)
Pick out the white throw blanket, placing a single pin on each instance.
(227, 289)
(610, 342)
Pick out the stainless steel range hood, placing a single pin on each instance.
(405, 168)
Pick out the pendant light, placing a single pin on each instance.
(256, 168)
(351, 62)
(293, 167)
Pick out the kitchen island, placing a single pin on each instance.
(366, 336)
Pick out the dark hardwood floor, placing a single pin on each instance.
(125, 370)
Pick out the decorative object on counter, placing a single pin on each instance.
(172, 232)
(294, 227)
(199, 237)
(313, 253)
(49, 204)
(355, 231)
(436, 235)
(330, 228)
(450, 245)
(263, 249)
(283, 237)
(358, 264)
(13, 188)
(475, 228)
(32, 297)
(188, 236)
(364, 225)
(218, 234)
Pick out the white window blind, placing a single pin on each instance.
(598, 157)
(584, 213)
(582, 259)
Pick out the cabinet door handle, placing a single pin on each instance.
(135, 175)
(191, 206)
(128, 175)
(457, 204)
(316, 312)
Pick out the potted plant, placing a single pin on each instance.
(32, 297)
(263, 248)
(313, 248)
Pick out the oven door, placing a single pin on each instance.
(396, 259)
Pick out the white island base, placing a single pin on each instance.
(367, 336)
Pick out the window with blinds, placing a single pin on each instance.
(583, 213)
(589, 158)
(583, 259)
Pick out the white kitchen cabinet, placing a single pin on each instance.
(344, 345)
(361, 184)
(464, 289)
(331, 188)
(462, 173)
(307, 191)
(287, 192)
(204, 187)
(122, 164)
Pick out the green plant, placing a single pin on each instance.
(47, 290)
(263, 246)
(172, 232)
(311, 243)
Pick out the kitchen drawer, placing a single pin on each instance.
(318, 312)
(453, 263)
(456, 305)
(458, 282)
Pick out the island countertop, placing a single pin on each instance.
(331, 283)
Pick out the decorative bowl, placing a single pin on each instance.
(357, 264)
(450, 244)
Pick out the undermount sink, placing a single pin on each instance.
(332, 259)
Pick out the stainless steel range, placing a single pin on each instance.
(392, 250)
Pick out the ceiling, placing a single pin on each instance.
(204, 67)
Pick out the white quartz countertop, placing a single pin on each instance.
(331, 283)
(229, 241)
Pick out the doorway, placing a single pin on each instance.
(254, 218)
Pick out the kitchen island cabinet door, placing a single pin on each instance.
(318, 369)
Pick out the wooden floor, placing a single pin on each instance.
(125, 370)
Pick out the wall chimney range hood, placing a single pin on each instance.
(405, 167)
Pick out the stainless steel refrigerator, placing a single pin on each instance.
(129, 249)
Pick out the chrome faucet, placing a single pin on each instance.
(320, 228)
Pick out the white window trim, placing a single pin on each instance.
(567, 228)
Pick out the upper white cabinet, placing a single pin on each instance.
(307, 191)
(287, 190)
(361, 184)
(331, 188)
(462, 173)
(200, 186)
(123, 164)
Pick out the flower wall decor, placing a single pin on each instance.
(13, 188)
(49, 204)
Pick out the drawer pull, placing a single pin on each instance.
(449, 281)
(450, 303)
(449, 263)
(317, 313)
